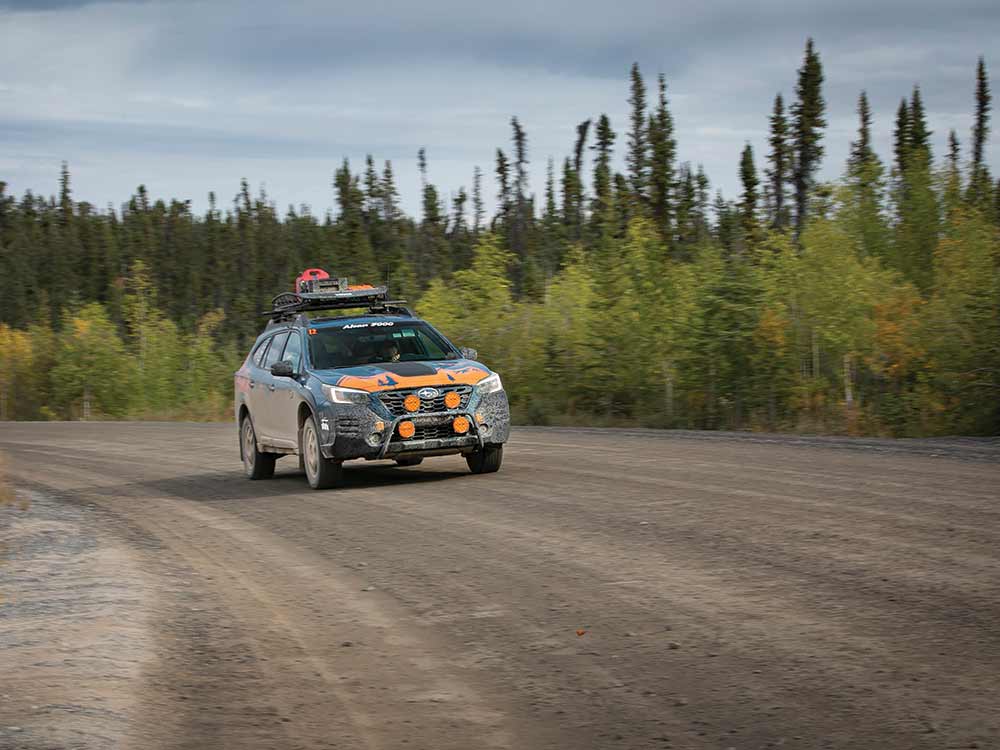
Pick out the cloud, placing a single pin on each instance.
(192, 96)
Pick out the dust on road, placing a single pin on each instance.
(606, 589)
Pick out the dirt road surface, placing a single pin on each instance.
(606, 589)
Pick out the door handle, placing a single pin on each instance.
(270, 387)
(253, 383)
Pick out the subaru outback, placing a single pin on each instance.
(382, 384)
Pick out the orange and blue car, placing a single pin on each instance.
(330, 386)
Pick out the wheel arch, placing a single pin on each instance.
(305, 412)
(243, 413)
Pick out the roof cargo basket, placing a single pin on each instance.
(334, 294)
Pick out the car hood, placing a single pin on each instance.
(389, 375)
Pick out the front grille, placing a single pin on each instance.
(393, 400)
(435, 432)
(348, 426)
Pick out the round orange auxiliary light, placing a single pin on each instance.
(411, 403)
(452, 400)
(460, 425)
(406, 430)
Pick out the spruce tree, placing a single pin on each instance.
(503, 187)
(808, 124)
(979, 178)
(953, 174)
(64, 248)
(458, 231)
(433, 257)
(636, 157)
(573, 197)
(861, 149)
(920, 136)
(353, 252)
(901, 137)
(702, 193)
(521, 224)
(687, 225)
(569, 202)
(662, 154)
(551, 234)
(865, 177)
(750, 183)
(582, 130)
(780, 160)
(478, 213)
(603, 184)
(918, 221)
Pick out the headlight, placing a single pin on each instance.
(345, 395)
(491, 384)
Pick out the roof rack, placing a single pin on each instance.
(289, 304)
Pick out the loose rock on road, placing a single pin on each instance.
(606, 589)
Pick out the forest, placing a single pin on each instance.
(869, 305)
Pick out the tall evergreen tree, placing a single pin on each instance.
(636, 158)
(572, 185)
(953, 174)
(901, 136)
(861, 149)
(780, 159)
(582, 130)
(808, 124)
(459, 236)
(551, 229)
(478, 212)
(662, 154)
(918, 222)
(519, 238)
(603, 183)
(503, 188)
(920, 136)
(570, 212)
(433, 257)
(979, 178)
(353, 255)
(687, 225)
(865, 178)
(750, 183)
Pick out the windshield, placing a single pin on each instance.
(378, 342)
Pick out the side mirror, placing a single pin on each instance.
(282, 369)
(468, 353)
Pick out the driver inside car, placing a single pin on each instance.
(389, 351)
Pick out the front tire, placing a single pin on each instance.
(256, 464)
(485, 461)
(321, 472)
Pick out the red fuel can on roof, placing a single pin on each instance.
(308, 275)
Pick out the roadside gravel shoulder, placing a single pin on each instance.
(74, 630)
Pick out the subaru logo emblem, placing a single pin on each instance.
(428, 393)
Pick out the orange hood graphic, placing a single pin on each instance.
(389, 376)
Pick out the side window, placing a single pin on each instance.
(274, 352)
(293, 350)
(258, 353)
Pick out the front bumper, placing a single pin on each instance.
(347, 431)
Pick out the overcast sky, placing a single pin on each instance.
(189, 97)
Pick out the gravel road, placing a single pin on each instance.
(606, 589)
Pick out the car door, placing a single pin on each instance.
(264, 391)
(284, 399)
(255, 396)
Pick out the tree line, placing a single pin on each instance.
(867, 305)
